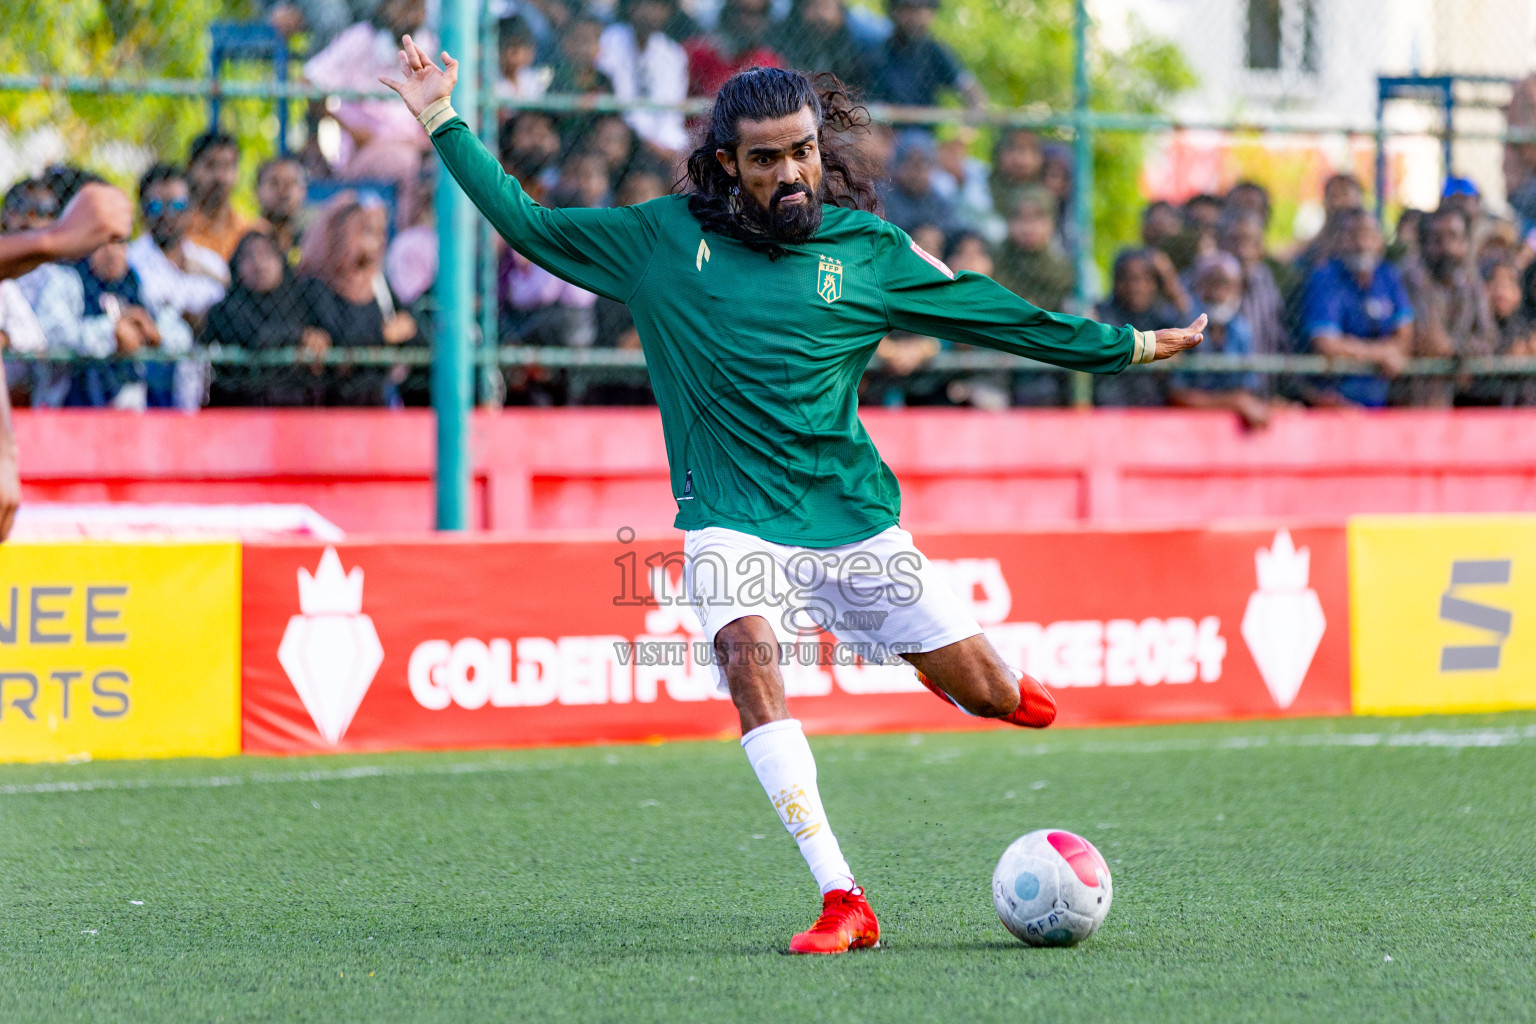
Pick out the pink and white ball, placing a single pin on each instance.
(1051, 888)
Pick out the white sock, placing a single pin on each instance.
(782, 760)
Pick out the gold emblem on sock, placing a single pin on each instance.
(791, 805)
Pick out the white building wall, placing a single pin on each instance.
(1357, 40)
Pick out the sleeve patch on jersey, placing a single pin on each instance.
(937, 263)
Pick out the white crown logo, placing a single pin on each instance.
(330, 591)
(1283, 623)
(1281, 568)
(331, 649)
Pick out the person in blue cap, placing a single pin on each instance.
(1462, 195)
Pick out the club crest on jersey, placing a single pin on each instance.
(829, 278)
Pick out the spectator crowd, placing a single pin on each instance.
(342, 254)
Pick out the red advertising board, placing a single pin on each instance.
(463, 643)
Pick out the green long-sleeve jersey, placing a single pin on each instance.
(755, 363)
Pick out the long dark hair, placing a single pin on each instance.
(762, 94)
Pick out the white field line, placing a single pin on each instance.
(1454, 739)
(362, 771)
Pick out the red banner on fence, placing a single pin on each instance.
(462, 643)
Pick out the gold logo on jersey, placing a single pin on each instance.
(703, 255)
(829, 278)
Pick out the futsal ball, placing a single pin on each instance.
(1051, 888)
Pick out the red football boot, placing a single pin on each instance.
(1036, 710)
(846, 922)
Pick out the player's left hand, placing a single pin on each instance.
(424, 83)
(1173, 340)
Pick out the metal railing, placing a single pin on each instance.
(463, 331)
(632, 361)
(886, 113)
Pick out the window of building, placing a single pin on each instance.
(1282, 35)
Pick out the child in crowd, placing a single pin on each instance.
(1028, 264)
(1217, 279)
(516, 53)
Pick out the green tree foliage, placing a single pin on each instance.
(128, 40)
(1022, 51)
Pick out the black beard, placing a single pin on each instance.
(1443, 268)
(165, 238)
(780, 224)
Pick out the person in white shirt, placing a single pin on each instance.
(643, 63)
(176, 275)
(174, 272)
(19, 330)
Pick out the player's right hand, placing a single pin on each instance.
(1173, 340)
(424, 82)
(98, 214)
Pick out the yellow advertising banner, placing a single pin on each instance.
(119, 650)
(1442, 613)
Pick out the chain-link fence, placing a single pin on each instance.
(287, 249)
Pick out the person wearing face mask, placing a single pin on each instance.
(1217, 280)
(1452, 315)
(1355, 307)
(1241, 233)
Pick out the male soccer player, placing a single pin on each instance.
(96, 215)
(759, 296)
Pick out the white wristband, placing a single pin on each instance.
(1144, 347)
(437, 114)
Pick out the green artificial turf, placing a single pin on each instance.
(1263, 871)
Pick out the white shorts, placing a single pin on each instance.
(878, 597)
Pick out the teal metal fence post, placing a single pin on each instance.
(490, 339)
(1082, 188)
(451, 362)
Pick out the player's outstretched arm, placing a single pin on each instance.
(98, 214)
(602, 250)
(924, 296)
